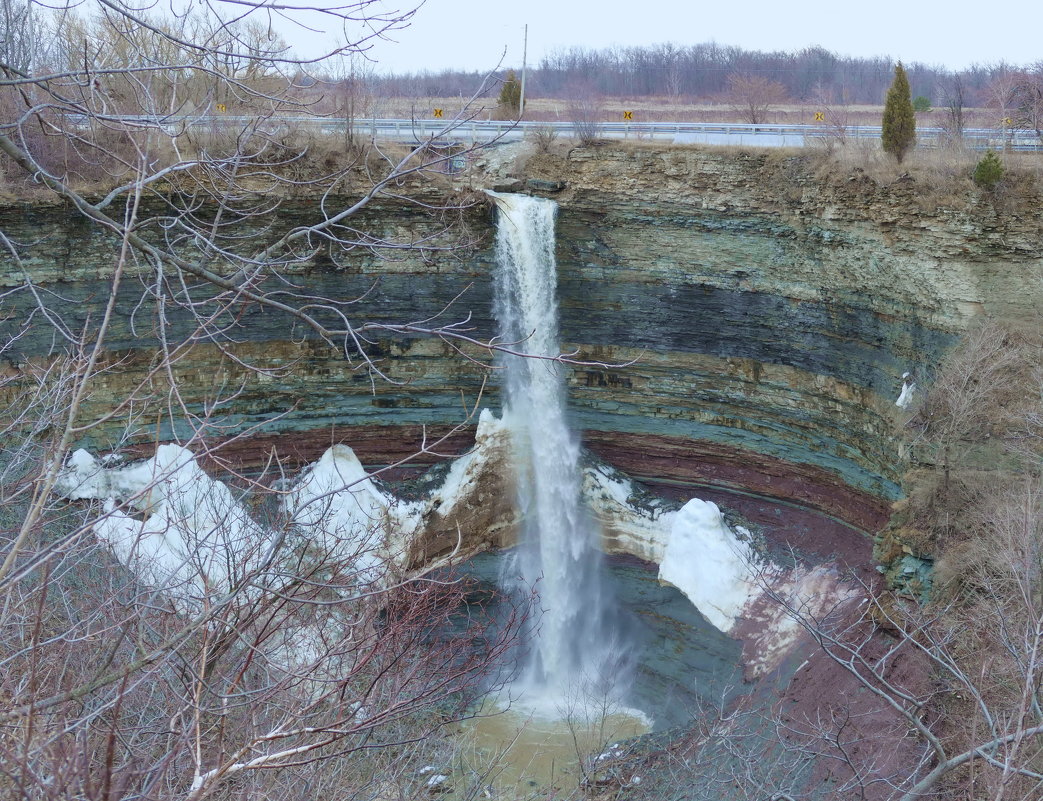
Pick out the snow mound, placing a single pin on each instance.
(345, 513)
(706, 561)
(185, 533)
(341, 505)
(696, 550)
(190, 524)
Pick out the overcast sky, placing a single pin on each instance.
(472, 34)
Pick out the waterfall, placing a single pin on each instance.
(574, 651)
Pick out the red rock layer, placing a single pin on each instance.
(657, 460)
(798, 505)
(400, 452)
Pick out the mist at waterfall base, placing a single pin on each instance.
(576, 650)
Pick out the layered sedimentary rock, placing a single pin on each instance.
(777, 311)
(748, 322)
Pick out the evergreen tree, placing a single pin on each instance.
(899, 124)
(988, 171)
(510, 94)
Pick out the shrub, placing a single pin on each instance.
(988, 171)
(542, 136)
(921, 103)
(583, 107)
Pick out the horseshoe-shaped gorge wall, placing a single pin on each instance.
(757, 319)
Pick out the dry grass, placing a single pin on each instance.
(867, 155)
(938, 177)
(299, 158)
(933, 179)
(278, 160)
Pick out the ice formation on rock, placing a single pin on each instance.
(187, 535)
(346, 516)
(706, 561)
(696, 550)
(905, 398)
(187, 524)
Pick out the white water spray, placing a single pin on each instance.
(575, 649)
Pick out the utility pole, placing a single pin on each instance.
(525, 51)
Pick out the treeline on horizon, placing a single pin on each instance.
(701, 72)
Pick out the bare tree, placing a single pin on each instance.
(934, 688)
(753, 96)
(164, 637)
(963, 424)
(1027, 101)
(926, 701)
(20, 35)
(166, 74)
(952, 89)
(973, 700)
(956, 664)
(584, 109)
(351, 100)
(174, 191)
(998, 95)
(835, 116)
(231, 662)
(190, 638)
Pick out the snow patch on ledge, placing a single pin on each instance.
(772, 621)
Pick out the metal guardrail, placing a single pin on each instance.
(477, 131)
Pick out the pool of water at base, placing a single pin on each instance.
(514, 753)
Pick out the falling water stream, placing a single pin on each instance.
(576, 666)
(574, 650)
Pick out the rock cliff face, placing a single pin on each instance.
(782, 311)
(750, 322)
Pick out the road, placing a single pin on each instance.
(476, 131)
